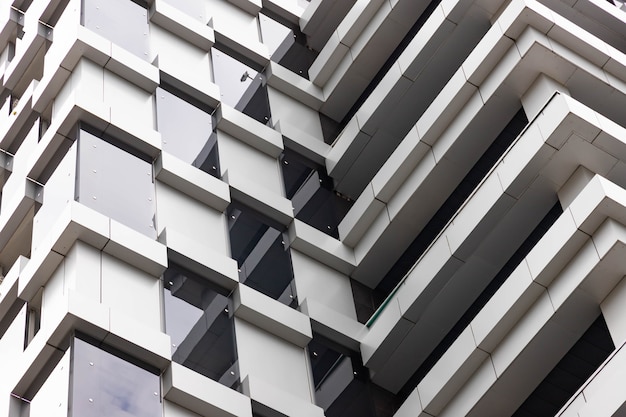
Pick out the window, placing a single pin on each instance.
(262, 256)
(241, 86)
(33, 317)
(123, 22)
(115, 183)
(187, 131)
(287, 45)
(342, 384)
(311, 193)
(199, 320)
(104, 384)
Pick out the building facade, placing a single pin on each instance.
(340, 208)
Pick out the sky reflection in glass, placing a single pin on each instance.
(108, 386)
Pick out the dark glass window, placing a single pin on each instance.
(287, 45)
(123, 22)
(199, 320)
(115, 183)
(187, 131)
(571, 373)
(33, 317)
(241, 86)
(103, 384)
(311, 193)
(342, 384)
(422, 241)
(262, 256)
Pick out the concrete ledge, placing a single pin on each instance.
(62, 58)
(473, 225)
(287, 9)
(332, 325)
(33, 41)
(360, 217)
(294, 86)
(208, 94)
(214, 266)
(175, 21)
(327, 61)
(192, 181)
(78, 222)
(203, 395)
(251, 6)
(80, 313)
(600, 395)
(257, 52)
(98, 115)
(8, 23)
(276, 402)
(274, 206)
(133, 69)
(301, 142)
(21, 116)
(534, 323)
(272, 316)
(43, 154)
(321, 247)
(450, 373)
(136, 249)
(249, 131)
(15, 209)
(9, 285)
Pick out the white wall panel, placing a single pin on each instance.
(233, 21)
(287, 110)
(196, 221)
(58, 193)
(130, 105)
(123, 286)
(181, 59)
(245, 161)
(316, 281)
(53, 397)
(275, 361)
(82, 271)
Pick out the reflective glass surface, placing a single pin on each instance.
(287, 46)
(108, 386)
(186, 131)
(200, 323)
(342, 384)
(115, 183)
(263, 258)
(241, 86)
(312, 195)
(123, 22)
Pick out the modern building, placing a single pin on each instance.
(340, 208)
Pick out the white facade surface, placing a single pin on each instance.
(312, 208)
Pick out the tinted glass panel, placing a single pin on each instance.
(186, 131)
(287, 46)
(262, 256)
(115, 183)
(199, 321)
(311, 192)
(108, 386)
(121, 21)
(241, 86)
(342, 384)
